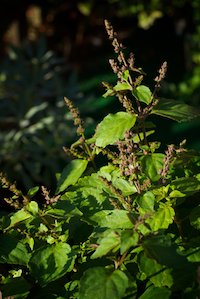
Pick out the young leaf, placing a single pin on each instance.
(142, 94)
(113, 127)
(12, 251)
(111, 241)
(51, 262)
(122, 86)
(99, 282)
(33, 191)
(175, 110)
(152, 292)
(32, 208)
(71, 174)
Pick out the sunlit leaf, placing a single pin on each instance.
(113, 127)
(142, 94)
(111, 241)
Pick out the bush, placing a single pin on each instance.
(126, 229)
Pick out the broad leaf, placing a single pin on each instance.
(71, 173)
(187, 186)
(158, 275)
(64, 209)
(51, 262)
(160, 249)
(111, 241)
(152, 292)
(151, 164)
(32, 208)
(99, 282)
(12, 251)
(113, 127)
(117, 219)
(142, 94)
(162, 218)
(146, 201)
(128, 239)
(175, 110)
(18, 217)
(192, 250)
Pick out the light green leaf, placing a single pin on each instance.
(140, 136)
(125, 75)
(161, 219)
(33, 191)
(71, 173)
(128, 239)
(146, 201)
(51, 262)
(111, 241)
(175, 110)
(142, 94)
(19, 216)
(122, 86)
(124, 186)
(151, 164)
(12, 251)
(153, 292)
(32, 208)
(113, 127)
(116, 219)
(99, 282)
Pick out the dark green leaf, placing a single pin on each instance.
(195, 217)
(12, 251)
(16, 288)
(113, 127)
(160, 249)
(151, 164)
(99, 282)
(187, 186)
(64, 209)
(175, 110)
(51, 262)
(153, 292)
(146, 201)
(71, 174)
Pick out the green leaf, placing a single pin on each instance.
(153, 292)
(124, 186)
(142, 94)
(125, 75)
(146, 201)
(113, 127)
(71, 174)
(18, 217)
(162, 218)
(140, 136)
(33, 191)
(160, 249)
(116, 219)
(122, 86)
(99, 282)
(111, 241)
(187, 186)
(158, 275)
(64, 209)
(151, 164)
(32, 208)
(16, 288)
(128, 239)
(175, 110)
(12, 251)
(192, 250)
(51, 262)
(195, 217)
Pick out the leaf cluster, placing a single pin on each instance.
(126, 229)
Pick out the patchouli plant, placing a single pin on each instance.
(127, 229)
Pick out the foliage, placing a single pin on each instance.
(34, 125)
(127, 229)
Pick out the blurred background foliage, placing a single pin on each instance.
(55, 48)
